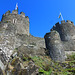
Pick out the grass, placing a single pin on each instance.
(47, 66)
(43, 64)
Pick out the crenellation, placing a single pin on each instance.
(23, 14)
(7, 13)
(14, 12)
(27, 18)
(60, 39)
(72, 22)
(20, 20)
(53, 28)
(63, 21)
(57, 23)
(68, 21)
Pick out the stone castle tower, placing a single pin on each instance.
(12, 27)
(20, 20)
(65, 29)
(61, 40)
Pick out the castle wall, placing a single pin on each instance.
(65, 29)
(21, 22)
(55, 47)
(61, 39)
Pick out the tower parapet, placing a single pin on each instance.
(65, 29)
(20, 20)
(63, 21)
(60, 40)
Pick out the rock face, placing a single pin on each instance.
(1, 73)
(61, 40)
(14, 33)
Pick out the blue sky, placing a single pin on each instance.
(43, 14)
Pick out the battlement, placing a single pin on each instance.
(23, 14)
(65, 28)
(14, 12)
(63, 21)
(9, 17)
(7, 13)
(60, 40)
(20, 20)
(27, 18)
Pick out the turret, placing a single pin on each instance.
(61, 40)
(54, 45)
(20, 20)
(65, 29)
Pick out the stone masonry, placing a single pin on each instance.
(14, 33)
(11, 25)
(20, 20)
(61, 40)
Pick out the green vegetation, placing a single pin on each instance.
(71, 57)
(43, 63)
(47, 66)
(45, 72)
(14, 61)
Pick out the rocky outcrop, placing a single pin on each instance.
(1, 73)
(14, 33)
(61, 40)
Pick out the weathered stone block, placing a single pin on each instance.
(54, 45)
(61, 40)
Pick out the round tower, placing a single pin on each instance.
(54, 45)
(66, 30)
(20, 21)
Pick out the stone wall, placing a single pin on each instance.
(55, 46)
(61, 39)
(65, 29)
(20, 20)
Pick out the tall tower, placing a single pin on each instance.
(65, 29)
(61, 40)
(19, 20)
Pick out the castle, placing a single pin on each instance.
(14, 33)
(12, 26)
(61, 40)
(20, 20)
